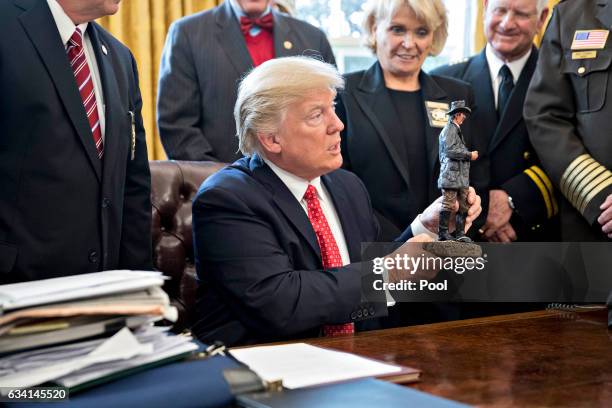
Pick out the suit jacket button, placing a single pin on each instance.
(372, 311)
(526, 155)
(365, 313)
(353, 315)
(105, 202)
(93, 257)
(359, 314)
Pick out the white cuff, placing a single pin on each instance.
(389, 298)
(417, 228)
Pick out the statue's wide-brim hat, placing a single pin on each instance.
(459, 106)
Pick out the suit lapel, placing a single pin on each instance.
(513, 113)
(285, 201)
(431, 92)
(341, 201)
(375, 102)
(111, 97)
(485, 113)
(231, 40)
(40, 26)
(283, 46)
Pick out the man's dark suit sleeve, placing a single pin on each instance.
(135, 249)
(179, 101)
(239, 251)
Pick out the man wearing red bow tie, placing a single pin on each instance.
(205, 56)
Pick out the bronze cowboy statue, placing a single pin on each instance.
(454, 177)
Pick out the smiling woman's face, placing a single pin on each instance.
(403, 43)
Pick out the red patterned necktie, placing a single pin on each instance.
(265, 23)
(330, 254)
(82, 74)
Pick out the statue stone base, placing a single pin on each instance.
(453, 249)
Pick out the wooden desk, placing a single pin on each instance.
(544, 358)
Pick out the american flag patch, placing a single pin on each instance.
(589, 39)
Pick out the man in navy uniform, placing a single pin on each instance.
(568, 109)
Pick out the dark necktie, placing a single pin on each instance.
(330, 254)
(506, 85)
(82, 74)
(265, 23)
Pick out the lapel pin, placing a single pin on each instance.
(104, 50)
(288, 45)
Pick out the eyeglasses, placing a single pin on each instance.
(502, 12)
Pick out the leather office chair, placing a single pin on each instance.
(173, 186)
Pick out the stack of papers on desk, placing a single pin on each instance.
(53, 311)
(83, 364)
(77, 330)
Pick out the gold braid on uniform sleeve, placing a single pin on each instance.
(583, 179)
(541, 180)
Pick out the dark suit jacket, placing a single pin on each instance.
(365, 106)
(514, 164)
(62, 210)
(259, 263)
(204, 58)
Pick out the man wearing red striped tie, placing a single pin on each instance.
(74, 174)
(291, 222)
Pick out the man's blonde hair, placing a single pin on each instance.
(431, 12)
(268, 90)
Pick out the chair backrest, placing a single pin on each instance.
(173, 186)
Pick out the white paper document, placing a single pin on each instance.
(26, 294)
(302, 365)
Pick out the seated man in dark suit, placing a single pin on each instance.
(278, 234)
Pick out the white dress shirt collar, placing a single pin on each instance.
(495, 63)
(295, 184)
(64, 24)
